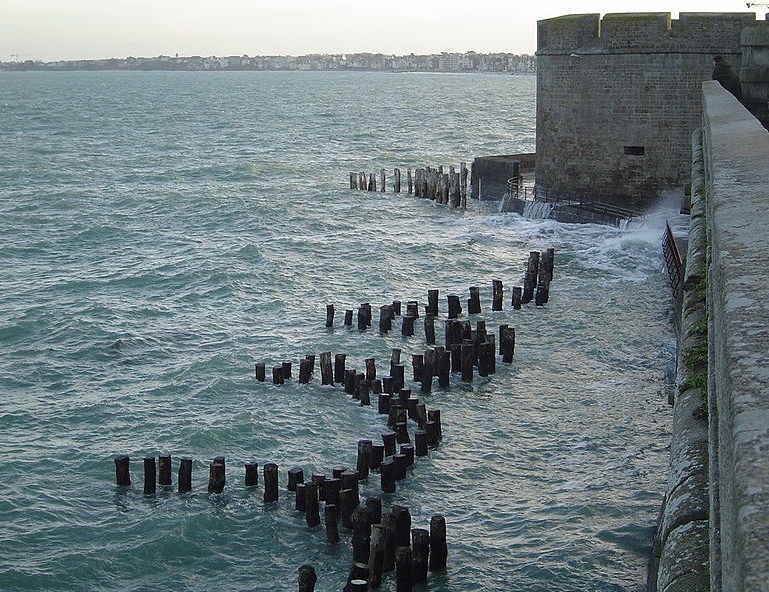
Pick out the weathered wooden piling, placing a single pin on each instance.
(398, 374)
(376, 554)
(468, 361)
(420, 415)
(409, 181)
(358, 573)
(420, 552)
(530, 279)
(307, 578)
(362, 318)
(417, 362)
(295, 476)
(184, 478)
(397, 180)
(403, 582)
(388, 439)
(443, 369)
(300, 503)
(385, 318)
(277, 375)
(331, 517)
(348, 317)
(541, 296)
(252, 474)
(216, 477)
(474, 302)
(364, 458)
(328, 489)
(517, 297)
(349, 380)
(401, 524)
(463, 174)
(420, 443)
(427, 374)
(259, 371)
(326, 371)
(429, 329)
(122, 471)
(356, 387)
(401, 432)
(351, 480)
(384, 403)
(320, 480)
(329, 315)
(434, 415)
(401, 464)
(377, 455)
(407, 450)
(497, 294)
(312, 508)
(346, 507)
(387, 385)
(407, 326)
(339, 367)
(353, 180)
(364, 392)
(454, 306)
(150, 476)
(304, 371)
(361, 535)
(286, 370)
(362, 185)
(438, 548)
(387, 475)
(371, 182)
(271, 482)
(507, 343)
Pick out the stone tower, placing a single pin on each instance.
(618, 99)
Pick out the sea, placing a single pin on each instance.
(163, 232)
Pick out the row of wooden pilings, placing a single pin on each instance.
(430, 183)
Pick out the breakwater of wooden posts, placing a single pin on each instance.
(449, 188)
(381, 542)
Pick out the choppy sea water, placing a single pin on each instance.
(162, 232)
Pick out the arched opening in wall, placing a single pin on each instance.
(635, 150)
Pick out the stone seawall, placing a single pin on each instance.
(714, 526)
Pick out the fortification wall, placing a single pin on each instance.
(617, 99)
(736, 151)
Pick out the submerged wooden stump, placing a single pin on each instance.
(184, 478)
(438, 548)
(331, 517)
(259, 370)
(216, 477)
(420, 552)
(122, 473)
(150, 476)
(270, 482)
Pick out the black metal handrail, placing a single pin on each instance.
(672, 260)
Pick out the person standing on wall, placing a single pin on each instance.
(723, 73)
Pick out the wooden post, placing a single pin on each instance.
(429, 329)
(358, 573)
(507, 343)
(362, 181)
(432, 302)
(455, 308)
(260, 373)
(185, 475)
(417, 362)
(407, 450)
(359, 377)
(377, 455)
(376, 555)
(401, 463)
(329, 315)
(364, 392)
(401, 524)
(443, 369)
(362, 318)
(542, 295)
(330, 490)
(349, 380)
(301, 498)
(348, 318)
(353, 181)
(150, 476)
(385, 318)
(216, 477)
(407, 328)
(434, 415)
(517, 297)
(305, 370)
(330, 517)
(497, 292)
(403, 581)
(420, 551)
(474, 302)
(351, 481)
(286, 370)
(420, 443)
(382, 180)
(295, 476)
(468, 360)
(371, 182)
(312, 509)
(346, 507)
(277, 374)
(387, 475)
(252, 474)
(364, 458)
(376, 386)
(307, 579)
(401, 432)
(463, 185)
(412, 308)
(399, 379)
(438, 548)
(530, 279)
(326, 373)
(384, 403)
(370, 368)
(409, 181)
(388, 439)
(361, 535)
(271, 483)
(387, 385)
(339, 362)
(122, 472)
(397, 183)
(320, 480)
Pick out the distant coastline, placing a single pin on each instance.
(443, 62)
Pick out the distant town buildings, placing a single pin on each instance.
(443, 62)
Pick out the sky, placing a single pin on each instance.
(93, 29)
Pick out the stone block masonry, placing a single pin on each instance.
(618, 97)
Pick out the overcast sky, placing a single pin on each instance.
(87, 29)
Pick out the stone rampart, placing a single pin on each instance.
(736, 150)
(618, 97)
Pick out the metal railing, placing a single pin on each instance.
(672, 260)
